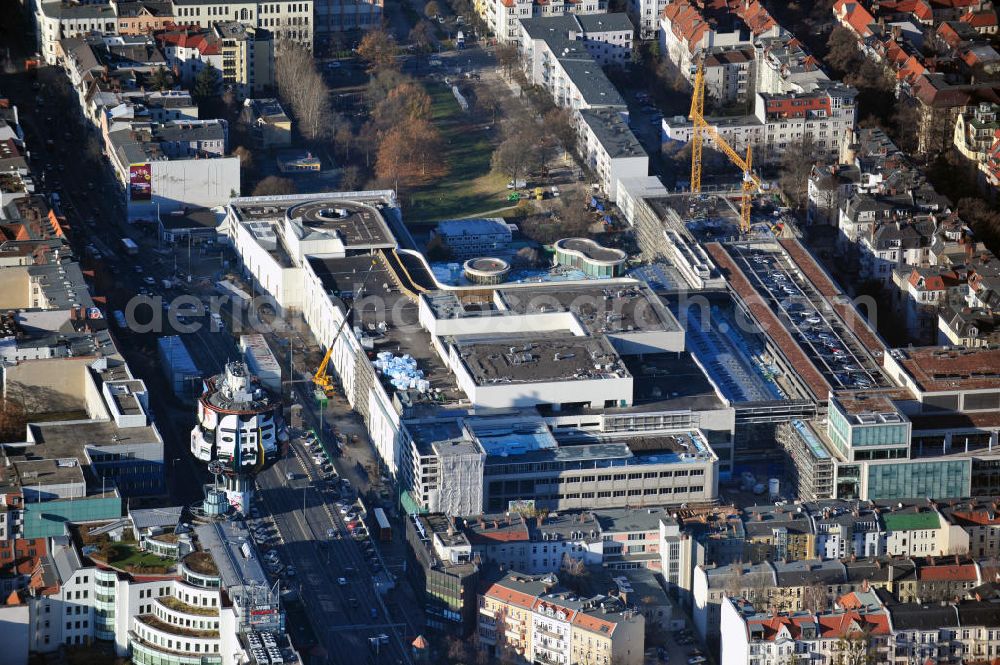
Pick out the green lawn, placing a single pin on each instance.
(469, 188)
(128, 556)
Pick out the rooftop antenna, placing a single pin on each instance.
(216, 468)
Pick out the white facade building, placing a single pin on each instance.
(610, 149)
(57, 20)
(285, 20)
(502, 16)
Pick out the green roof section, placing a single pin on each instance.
(911, 521)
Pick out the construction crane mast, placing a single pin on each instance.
(322, 378)
(751, 183)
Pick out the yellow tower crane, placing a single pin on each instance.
(751, 183)
(322, 379)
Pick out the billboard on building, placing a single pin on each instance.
(140, 182)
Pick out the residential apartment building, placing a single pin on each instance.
(820, 117)
(976, 139)
(537, 545)
(924, 292)
(690, 28)
(729, 76)
(698, 537)
(283, 20)
(645, 15)
(530, 618)
(332, 19)
(892, 632)
(502, 17)
(143, 17)
(247, 58)
(778, 533)
(846, 530)
(979, 519)
(826, 636)
(610, 149)
(565, 55)
(57, 20)
(242, 56)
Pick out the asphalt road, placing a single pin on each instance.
(92, 203)
(341, 615)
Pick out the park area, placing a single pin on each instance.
(469, 188)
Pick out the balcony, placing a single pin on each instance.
(164, 627)
(180, 606)
(550, 634)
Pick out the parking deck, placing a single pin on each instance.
(817, 326)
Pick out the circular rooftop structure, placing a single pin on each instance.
(486, 270)
(324, 212)
(589, 256)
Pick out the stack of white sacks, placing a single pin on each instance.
(402, 371)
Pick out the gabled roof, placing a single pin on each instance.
(949, 573)
(855, 16)
(852, 622)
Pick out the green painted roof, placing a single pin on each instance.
(911, 521)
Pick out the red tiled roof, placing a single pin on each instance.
(755, 16)
(855, 16)
(510, 596)
(505, 535)
(948, 573)
(594, 624)
(983, 19)
(923, 11)
(203, 41)
(977, 517)
(686, 22)
(772, 625)
(849, 623)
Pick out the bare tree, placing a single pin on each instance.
(507, 58)
(407, 101)
(379, 49)
(273, 185)
(574, 573)
(856, 649)
(559, 124)
(302, 87)
(13, 420)
(422, 35)
(795, 165)
(410, 154)
(487, 101)
(815, 597)
(432, 9)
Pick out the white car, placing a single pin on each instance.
(342, 581)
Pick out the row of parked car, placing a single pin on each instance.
(265, 535)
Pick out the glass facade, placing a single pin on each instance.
(144, 655)
(919, 479)
(48, 518)
(880, 435)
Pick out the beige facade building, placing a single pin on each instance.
(528, 618)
